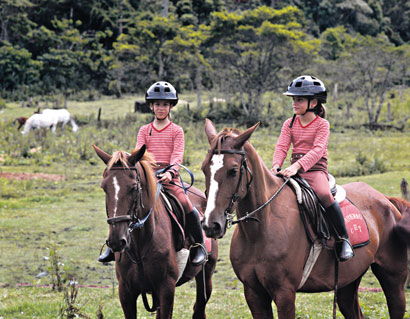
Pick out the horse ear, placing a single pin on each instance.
(241, 139)
(210, 130)
(137, 155)
(103, 155)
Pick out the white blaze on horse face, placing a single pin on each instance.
(217, 163)
(117, 190)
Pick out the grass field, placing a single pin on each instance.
(65, 219)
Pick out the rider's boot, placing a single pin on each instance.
(198, 254)
(106, 256)
(343, 247)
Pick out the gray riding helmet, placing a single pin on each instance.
(307, 86)
(161, 90)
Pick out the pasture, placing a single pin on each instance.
(61, 217)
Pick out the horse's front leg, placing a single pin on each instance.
(128, 299)
(260, 303)
(166, 297)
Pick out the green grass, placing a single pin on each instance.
(37, 215)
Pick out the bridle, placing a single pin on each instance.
(244, 166)
(136, 223)
(132, 214)
(249, 178)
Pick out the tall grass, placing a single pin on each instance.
(69, 215)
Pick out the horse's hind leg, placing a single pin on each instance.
(392, 282)
(348, 300)
(203, 291)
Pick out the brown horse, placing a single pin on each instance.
(269, 251)
(141, 237)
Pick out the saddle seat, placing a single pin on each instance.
(312, 213)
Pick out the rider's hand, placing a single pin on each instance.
(165, 178)
(275, 169)
(291, 170)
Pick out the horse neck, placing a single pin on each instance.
(264, 185)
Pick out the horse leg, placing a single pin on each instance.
(260, 303)
(392, 282)
(128, 299)
(203, 292)
(166, 297)
(348, 300)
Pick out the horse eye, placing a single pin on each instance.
(232, 172)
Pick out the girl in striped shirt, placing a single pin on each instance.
(165, 140)
(309, 132)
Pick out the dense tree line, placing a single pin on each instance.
(243, 48)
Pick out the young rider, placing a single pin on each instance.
(165, 140)
(308, 131)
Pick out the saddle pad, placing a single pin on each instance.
(355, 224)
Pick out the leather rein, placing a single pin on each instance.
(235, 197)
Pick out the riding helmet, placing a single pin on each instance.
(307, 86)
(161, 90)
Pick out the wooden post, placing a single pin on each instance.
(404, 188)
(99, 115)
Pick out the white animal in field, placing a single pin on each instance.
(62, 116)
(49, 118)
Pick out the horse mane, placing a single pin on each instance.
(217, 142)
(147, 162)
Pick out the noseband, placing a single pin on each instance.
(249, 178)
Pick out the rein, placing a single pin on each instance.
(244, 164)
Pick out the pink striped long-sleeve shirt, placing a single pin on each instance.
(167, 145)
(310, 140)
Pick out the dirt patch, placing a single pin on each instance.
(28, 176)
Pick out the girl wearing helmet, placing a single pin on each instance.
(308, 131)
(165, 140)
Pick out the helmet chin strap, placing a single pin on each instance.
(308, 107)
(307, 110)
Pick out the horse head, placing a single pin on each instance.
(227, 176)
(128, 190)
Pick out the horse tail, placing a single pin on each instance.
(402, 228)
(73, 124)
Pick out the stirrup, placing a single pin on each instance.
(192, 248)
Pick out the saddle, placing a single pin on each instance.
(177, 216)
(312, 213)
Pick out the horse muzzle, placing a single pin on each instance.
(214, 229)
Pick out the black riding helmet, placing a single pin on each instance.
(310, 87)
(307, 86)
(161, 90)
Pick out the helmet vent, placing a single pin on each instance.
(166, 89)
(156, 89)
(298, 84)
(316, 83)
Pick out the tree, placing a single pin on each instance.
(17, 69)
(254, 49)
(372, 67)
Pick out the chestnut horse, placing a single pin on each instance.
(141, 237)
(269, 251)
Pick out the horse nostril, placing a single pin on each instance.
(216, 228)
(123, 243)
